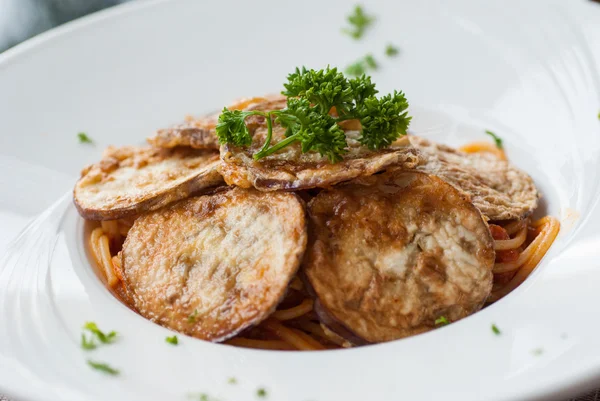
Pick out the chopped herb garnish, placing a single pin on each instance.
(356, 69)
(87, 344)
(261, 392)
(172, 340)
(201, 397)
(311, 95)
(370, 60)
(83, 138)
(496, 330)
(232, 380)
(537, 351)
(193, 316)
(599, 115)
(360, 67)
(359, 22)
(496, 138)
(102, 337)
(103, 367)
(391, 51)
(441, 321)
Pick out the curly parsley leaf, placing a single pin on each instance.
(391, 50)
(172, 340)
(362, 88)
(312, 128)
(324, 136)
(103, 367)
(84, 138)
(100, 335)
(359, 22)
(325, 88)
(383, 120)
(441, 321)
(231, 127)
(295, 115)
(496, 138)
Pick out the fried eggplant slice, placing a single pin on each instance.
(200, 133)
(290, 169)
(214, 265)
(391, 253)
(131, 180)
(498, 189)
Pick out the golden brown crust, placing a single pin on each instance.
(199, 133)
(225, 259)
(131, 180)
(498, 189)
(390, 253)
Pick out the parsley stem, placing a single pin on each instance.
(276, 147)
(269, 134)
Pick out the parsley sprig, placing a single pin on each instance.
(103, 367)
(496, 138)
(84, 138)
(104, 338)
(317, 102)
(362, 65)
(359, 22)
(391, 50)
(172, 340)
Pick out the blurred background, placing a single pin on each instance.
(22, 19)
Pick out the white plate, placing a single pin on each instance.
(527, 70)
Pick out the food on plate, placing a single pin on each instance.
(214, 265)
(403, 235)
(498, 189)
(131, 180)
(333, 129)
(195, 133)
(290, 169)
(393, 252)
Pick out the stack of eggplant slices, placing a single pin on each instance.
(363, 245)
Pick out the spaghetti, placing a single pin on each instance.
(519, 246)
